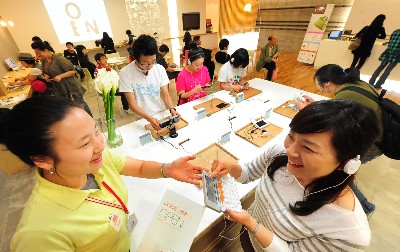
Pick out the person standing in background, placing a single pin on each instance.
(107, 43)
(222, 55)
(72, 56)
(208, 57)
(84, 59)
(390, 57)
(61, 73)
(269, 55)
(368, 36)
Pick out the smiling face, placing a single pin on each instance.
(310, 155)
(78, 145)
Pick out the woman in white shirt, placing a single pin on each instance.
(232, 73)
(303, 201)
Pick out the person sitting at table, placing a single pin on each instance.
(72, 56)
(79, 202)
(84, 59)
(107, 43)
(101, 60)
(332, 78)
(207, 57)
(162, 51)
(232, 73)
(222, 55)
(34, 78)
(269, 55)
(193, 78)
(303, 201)
(61, 73)
(145, 83)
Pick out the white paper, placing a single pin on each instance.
(174, 225)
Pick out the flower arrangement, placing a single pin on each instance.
(106, 84)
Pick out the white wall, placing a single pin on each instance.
(212, 12)
(8, 49)
(31, 19)
(364, 11)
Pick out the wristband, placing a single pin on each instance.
(253, 232)
(162, 171)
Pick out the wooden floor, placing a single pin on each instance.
(378, 179)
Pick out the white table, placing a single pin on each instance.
(145, 195)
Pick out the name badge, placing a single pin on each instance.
(116, 221)
(131, 222)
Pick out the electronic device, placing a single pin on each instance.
(222, 105)
(220, 193)
(10, 62)
(352, 165)
(260, 124)
(169, 122)
(191, 21)
(335, 34)
(207, 86)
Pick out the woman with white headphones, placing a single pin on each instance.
(304, 201)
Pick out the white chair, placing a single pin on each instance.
(216, 71)
(252, 58)
(88, 79)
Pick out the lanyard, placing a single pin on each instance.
(106, 203)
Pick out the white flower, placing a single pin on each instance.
(106, 80)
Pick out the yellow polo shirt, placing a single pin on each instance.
(58, 218)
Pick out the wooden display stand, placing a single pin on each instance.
(248, 93)
(3, 89)
(211, 106)
(164, 131)
(253, 135)
(285, 110)
(205, 157)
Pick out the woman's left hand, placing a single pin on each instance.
(242, 217)
(183, 171)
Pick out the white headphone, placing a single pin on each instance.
(232, 60)
(352, 165)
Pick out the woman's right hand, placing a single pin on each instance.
(236, 88)
(197, 89)
(220, 168)
(47, 78)
(304, 102)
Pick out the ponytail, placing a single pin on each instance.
(337, 75)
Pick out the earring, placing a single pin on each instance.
(52, 170)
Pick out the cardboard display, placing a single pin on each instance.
(211, 106)
(286, 110)
(254, 135)
(248, 93)
(164, 131)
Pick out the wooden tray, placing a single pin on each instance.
(210, 106)
(285, 110)
(248, 93)
(164, 131)
(253, 135)
(210, 153)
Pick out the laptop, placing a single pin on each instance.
(335, 34)
(10, 62)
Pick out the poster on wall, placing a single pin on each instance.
(314, 33)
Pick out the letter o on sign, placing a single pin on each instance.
(73, 10)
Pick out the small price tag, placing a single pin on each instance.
(239, 97)
(267, 114)
(225, 138)
(145, 138)
(200, 114)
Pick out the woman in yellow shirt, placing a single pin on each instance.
(79, 201)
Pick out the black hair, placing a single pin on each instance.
(144, 45)
(41, 46)
(40, 113)
(223, 43)
(195, 53)
(128, 32)
(69, 43)
(79, 49)
(98, 56)
(375, 27)
(187, 37)
(105, 35)
(353, 130)
(240, 58)
(337, 75)
(196, 38)
(164, 48)
(36, 39)
(193, 45)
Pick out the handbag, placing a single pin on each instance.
(355, 44)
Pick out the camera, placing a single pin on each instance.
(169, 122)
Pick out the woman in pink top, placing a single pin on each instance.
(193, 78)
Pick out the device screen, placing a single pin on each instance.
(261, 123)
(222, 105)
